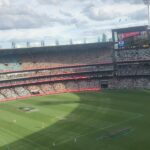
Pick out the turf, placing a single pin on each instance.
(108, 120)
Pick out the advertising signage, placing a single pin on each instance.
(134, 37)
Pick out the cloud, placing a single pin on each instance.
(109, 12)
(124, 1)
(45, 2)
(4, 3)
(22, 18)
(139, 15)
(66, 19)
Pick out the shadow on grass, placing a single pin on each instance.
(62, 135)
(66, 129)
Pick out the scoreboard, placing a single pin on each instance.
(133, 37)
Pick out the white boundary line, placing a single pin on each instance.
(113, 125)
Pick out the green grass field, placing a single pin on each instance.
(108, 120)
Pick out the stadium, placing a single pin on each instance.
(79, 96)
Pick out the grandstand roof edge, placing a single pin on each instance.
(131, 29)
(55, 48)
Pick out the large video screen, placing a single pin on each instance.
(127, 40)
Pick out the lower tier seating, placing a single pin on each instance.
(48, 88)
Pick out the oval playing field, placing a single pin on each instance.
(107, 120)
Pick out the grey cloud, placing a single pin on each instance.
(102, 15)
(45, 2)
(25, 22)
(67, 14)
(15, 17)
(139, 15)
(124, 1)
(18, 16)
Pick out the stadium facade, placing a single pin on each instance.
(123, 63)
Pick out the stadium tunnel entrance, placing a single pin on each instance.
(104, 84)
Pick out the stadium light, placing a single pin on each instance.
(147, 2)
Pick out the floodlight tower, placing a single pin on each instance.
(147, 2)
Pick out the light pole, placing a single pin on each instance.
(147, 2)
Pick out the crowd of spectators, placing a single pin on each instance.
(30, 74)
(132, 55)
(133, 69)
(56, 71)
(47, 88)
(52, 59)
(130, 83)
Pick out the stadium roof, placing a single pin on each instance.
(131, 29)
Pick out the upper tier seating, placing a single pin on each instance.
(9, 63)
(53, 59)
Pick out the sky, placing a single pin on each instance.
(22, 20)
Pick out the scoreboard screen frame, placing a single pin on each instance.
(122, 35)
